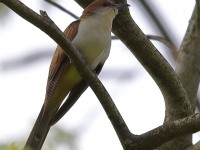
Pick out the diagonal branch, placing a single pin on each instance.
(165, 42)
(176, 99)
(161, 24)
(188, 63)
(63, 9)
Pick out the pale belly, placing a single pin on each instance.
(94, 50)
(69, 79)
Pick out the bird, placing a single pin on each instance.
(91, 35)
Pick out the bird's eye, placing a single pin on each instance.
(105, 4)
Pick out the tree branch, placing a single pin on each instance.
(170, 130)
(195, 147)
(63, 9)
(188, 62)
(156, 65)
(188, 69)
(176, 99)
(161, 25)
(165, 42)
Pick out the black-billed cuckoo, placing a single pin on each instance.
(91, 35)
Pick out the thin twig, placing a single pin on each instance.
(157, 20)
(164, 41)
(63, 9)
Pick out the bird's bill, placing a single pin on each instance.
(122, 5)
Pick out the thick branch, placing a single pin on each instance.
(188, 69)
(170, 130)
(195, 147)
(175, 96)
(188, 62)
(160, 70)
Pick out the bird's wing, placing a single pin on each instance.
(60, 62)
(74, 95)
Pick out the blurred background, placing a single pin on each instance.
(25, 55)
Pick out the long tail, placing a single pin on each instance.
(73, 96)
(39, 131)
(45, 120)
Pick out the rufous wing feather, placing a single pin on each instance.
(74, 95)
(60, 62)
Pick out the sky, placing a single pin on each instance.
(132, 89)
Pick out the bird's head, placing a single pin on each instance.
(103, 8)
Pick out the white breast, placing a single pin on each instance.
(94, 41)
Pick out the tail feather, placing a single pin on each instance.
(73, 96)
(39, 131)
